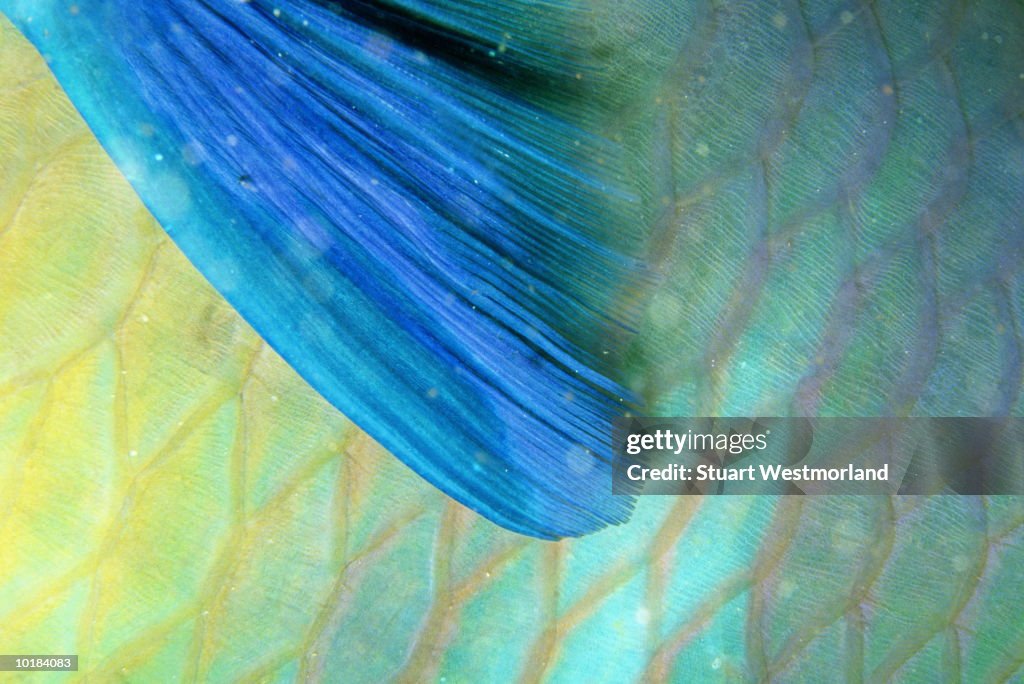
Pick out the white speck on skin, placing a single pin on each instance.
(846, 17)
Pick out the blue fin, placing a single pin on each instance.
(441, 260)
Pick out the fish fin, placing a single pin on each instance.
(450, 265)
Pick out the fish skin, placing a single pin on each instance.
(911, 588)
(859, 259)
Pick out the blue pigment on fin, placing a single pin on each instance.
(437, 257)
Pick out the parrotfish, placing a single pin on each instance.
(448, 219)
(481, 231)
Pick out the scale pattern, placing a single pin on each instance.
(178, 504)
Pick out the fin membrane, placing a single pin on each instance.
(439, 258)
